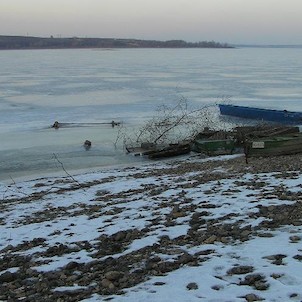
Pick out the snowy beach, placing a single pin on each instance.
(187, 229)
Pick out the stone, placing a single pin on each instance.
(295, 239)
(211, 239)
(261, 285)
(217, 287)
(240, 270)
(87, 144)
(72, 265)
(120, 236)
(252, 297)
(245, 233)
(192, 286)
(185, 258)
(113, 275)
(251, 279)
(298, 257)
(7, 277)
(108, 284)
(159, 283)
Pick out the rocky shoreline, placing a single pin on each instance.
(147, 222)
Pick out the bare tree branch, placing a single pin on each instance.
(63, 168)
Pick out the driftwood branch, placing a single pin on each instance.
(175, 123)
(63, 168)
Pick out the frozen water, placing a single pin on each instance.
(38, 87)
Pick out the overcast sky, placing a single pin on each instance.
(231, 21)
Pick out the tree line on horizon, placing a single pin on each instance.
(26, 42)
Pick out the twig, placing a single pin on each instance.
(17, 190)
(63, 168)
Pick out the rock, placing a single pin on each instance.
(87, 144)
(72, 265)
(211, 239)
(295, 239)
(245, 233)
(108, 284)
(240, 270)
(120, 236)
(8, 248)
(265, 235)
(192, 286)
(276, 276)
(185, 258)
(256, 280)
(261, 285)
(251, 279)
(7, 277)
(165, 267)
(224, 240)
(113, 275)
(298, 257)
(217, 287)
(159, 283)
(276, 259)
(154, 259)
(252, 297)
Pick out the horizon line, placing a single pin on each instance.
(248, 44)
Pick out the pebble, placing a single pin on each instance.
(192, 286)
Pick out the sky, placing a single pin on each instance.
(230, 21)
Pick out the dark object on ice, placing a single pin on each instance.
(113, 123)
(87, 144)
(56, 125)
(278, 116)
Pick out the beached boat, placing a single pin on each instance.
(211, 142)
(274, 145)
(142, 149)
(278, 116)
(154, 151)
(214, 147)
(170, 151)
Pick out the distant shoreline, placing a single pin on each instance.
(27, 42)
(265, 46)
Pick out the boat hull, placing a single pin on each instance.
(213, 147)
(278, 116)
(273, 146)
(170, 151)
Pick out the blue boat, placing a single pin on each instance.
(278, 116)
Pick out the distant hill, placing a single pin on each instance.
(22, 42)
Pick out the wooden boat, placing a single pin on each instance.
(213, 147)
(143, 149)
(154, 151)
(242, 134)
(211, 142)
(274, 145)
(170, 151)
(278, 116)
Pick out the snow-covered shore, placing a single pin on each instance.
(189, 229)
